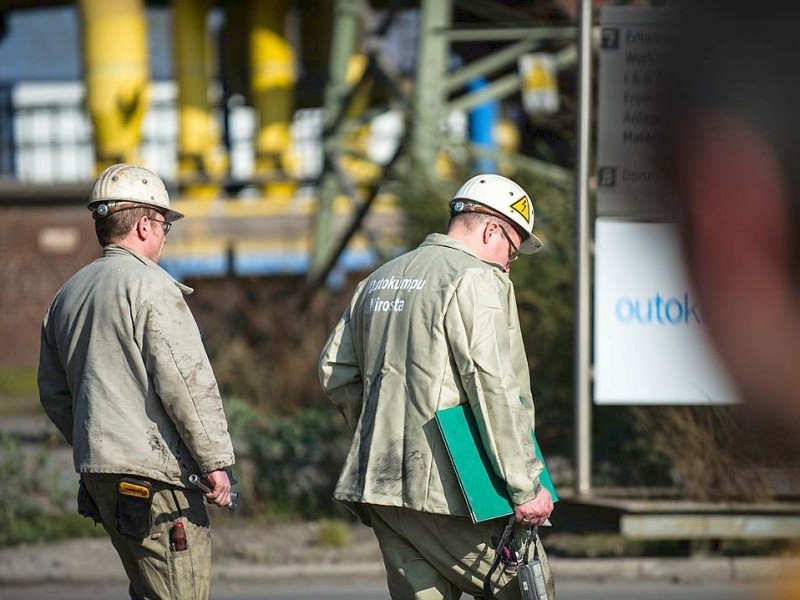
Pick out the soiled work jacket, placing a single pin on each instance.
(124, 376)
(432, 329)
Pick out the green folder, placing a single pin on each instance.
(483, 489)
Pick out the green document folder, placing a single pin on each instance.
(485, 492)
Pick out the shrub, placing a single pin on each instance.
(293, 461)
(32, 505)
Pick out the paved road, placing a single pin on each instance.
(371, 590)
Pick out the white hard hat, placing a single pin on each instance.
(504, 197)
(128, 183)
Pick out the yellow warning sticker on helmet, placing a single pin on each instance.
(523, 207)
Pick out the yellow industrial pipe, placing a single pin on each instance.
(117, 78)
(272, 81)
(201, 162)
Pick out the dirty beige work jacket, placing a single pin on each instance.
(124, 376)
(432, 329)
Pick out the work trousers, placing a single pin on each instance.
(155, 571)
(438, 557)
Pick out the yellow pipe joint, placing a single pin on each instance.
(117, 77)
(200, 154)
(272, 81)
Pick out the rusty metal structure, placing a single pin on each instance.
(278, 57)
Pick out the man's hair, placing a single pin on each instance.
(470, 220)
(473, 220)
(119, 223)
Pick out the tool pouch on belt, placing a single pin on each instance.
(134, 499)
(86, 505)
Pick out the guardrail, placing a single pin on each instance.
(679, 519)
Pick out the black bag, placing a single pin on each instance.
(86, 504)
(134, 499)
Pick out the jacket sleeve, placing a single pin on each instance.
(339, 372)
(54, 393)
(477, 324)
(182, 377)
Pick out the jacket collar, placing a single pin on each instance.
(441, 239)
(117, 250)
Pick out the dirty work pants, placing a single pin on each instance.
(154, 571)
(439, 557)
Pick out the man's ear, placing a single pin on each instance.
(143, 228)
(487, 231)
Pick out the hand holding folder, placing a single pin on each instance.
(484, 491)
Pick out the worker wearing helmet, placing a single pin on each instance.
(435, 328)
(125, 378)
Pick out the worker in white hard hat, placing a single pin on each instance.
(124, 187)
(432, 329)
(498, 196)
(125, 378)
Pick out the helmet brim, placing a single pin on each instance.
(172, 215)
(532, 245)
(169, 214)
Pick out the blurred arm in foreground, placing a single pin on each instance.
(733, 156)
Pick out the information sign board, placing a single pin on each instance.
(650, 341)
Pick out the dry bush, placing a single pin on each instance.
(262, 342)
(713, 457)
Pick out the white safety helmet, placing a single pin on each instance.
(123, 183)
(504, 197)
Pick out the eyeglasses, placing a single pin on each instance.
(102, 210)
(513, 250)
(165, 225)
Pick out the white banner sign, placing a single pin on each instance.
(650, 344)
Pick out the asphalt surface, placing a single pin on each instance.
(94, 560)
(377, 590)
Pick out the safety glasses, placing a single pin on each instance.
(165, 225)
(513, 250)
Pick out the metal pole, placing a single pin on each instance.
(583, 406)
(488, 64)
(429, 97)
(347, 18)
